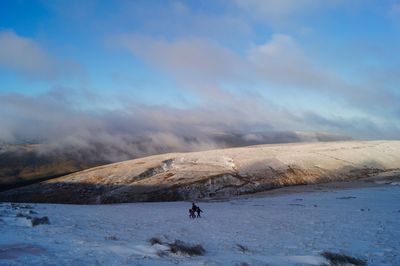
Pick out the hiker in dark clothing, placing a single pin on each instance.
(193, 210)
(198, 210)
(191, 214)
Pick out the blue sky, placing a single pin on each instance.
(200, 66)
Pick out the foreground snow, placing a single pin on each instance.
(280, 230)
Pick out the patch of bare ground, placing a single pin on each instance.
(14, 251)
(340, 259)
(178, 247)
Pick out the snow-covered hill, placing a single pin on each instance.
(291, 229)
(216, 173)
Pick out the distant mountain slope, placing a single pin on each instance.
(25, 164)
(224, 172)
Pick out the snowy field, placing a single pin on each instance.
(280, 230)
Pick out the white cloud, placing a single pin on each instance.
(395, 8)
(280, 63)
(26, 57)
(203, 65)
(282, 12)
(272, 8)
(180, 8)
(199, 64)
(394, 11)
(281, 49)
(196, 57)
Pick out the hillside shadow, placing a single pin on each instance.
(86, 193)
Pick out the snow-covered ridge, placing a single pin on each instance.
(216, 173)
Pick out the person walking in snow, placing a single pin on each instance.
(193, 210)
(191, 214)
(198, 210)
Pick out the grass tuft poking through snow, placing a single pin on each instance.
(337, 259)
(183, 248)
(177, 247)
(155, 240)
(242, 248)
(37, 220)
(112, 237)
(242, 264)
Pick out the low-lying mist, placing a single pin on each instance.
(58, 122)
(53, 134)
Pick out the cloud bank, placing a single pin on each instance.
(63, 124)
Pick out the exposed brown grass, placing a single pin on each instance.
(338, 259)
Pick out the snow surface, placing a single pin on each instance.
(281, 230)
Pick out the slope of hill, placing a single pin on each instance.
(26, 164)
(216, 173)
